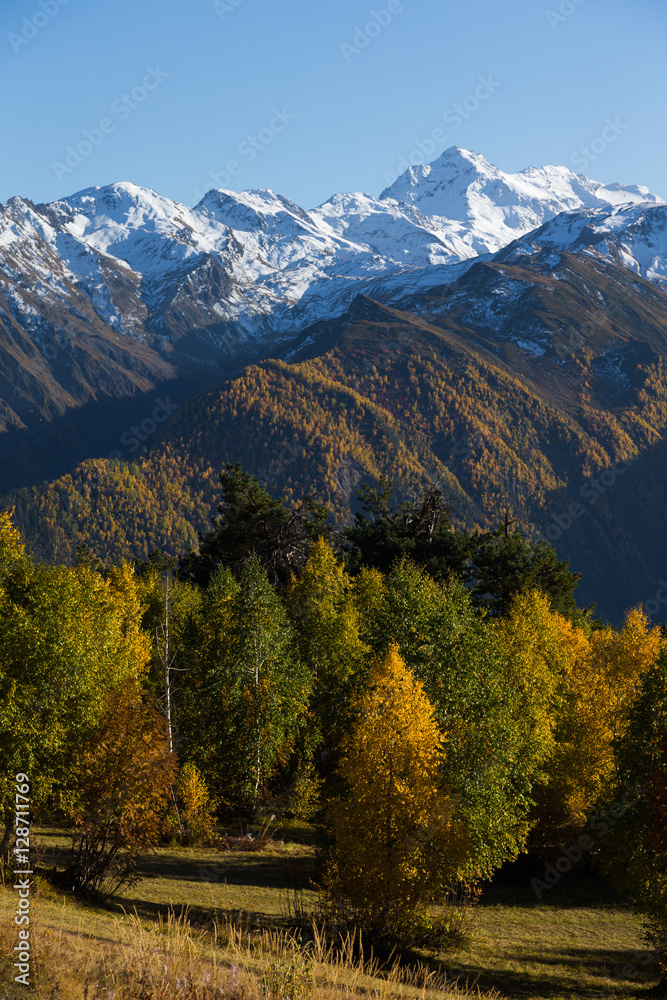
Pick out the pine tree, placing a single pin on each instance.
(252, 522)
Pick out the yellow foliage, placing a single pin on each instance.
(395, 844)
(12, 547)
(538, 644)
(605, 678)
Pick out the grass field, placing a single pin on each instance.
(577, 941)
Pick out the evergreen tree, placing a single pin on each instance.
(418, 529)
(495, 565)
(252, 522)
(503, 564)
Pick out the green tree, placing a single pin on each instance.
(327, 624)
(503, 564)
(495, 565)
(419, 529)
(251, 692)
(252, 522)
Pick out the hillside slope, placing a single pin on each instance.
(535, 406)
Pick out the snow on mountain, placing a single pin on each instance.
(255, 265)
(633, 236)
(486, 208)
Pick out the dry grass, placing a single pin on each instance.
(169, 959)
(577, 942)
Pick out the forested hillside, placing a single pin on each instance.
(418, 396)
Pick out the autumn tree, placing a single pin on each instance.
(396, 848)
(123, 778)
(68, 636)
(604, 671)
(494, 758)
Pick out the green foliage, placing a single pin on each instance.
(504, 564)
(251, 522)
(634, 845)
(327, 623)
(249, 697)
(496, 565)
(418, 529)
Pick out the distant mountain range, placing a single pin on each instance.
(547, 288)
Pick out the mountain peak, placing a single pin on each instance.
(464, 188)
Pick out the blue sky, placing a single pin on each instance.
(313, 97)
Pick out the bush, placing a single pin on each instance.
(194, 821)
(125, 774)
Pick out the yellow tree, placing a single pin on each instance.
(538, 644)
(396, 847)
(605, 676)
(68, 636)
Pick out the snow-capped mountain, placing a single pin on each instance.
(253, 266)
(117, 289)
(635, 237)
(473, 202)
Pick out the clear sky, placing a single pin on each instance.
(314, 97)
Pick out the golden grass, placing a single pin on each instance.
(577, 942)
(169, 959)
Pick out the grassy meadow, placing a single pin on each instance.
(203, 924)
